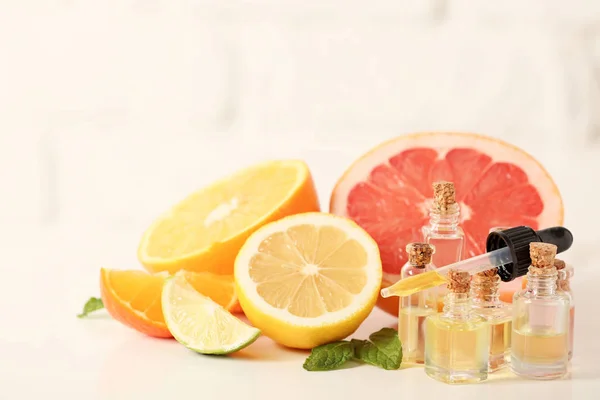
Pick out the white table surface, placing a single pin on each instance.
(45, 351)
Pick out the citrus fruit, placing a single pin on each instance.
(220, 288)
(389, 189)
(199, 323)
(308, 279)
(133, 297)
(205, 231)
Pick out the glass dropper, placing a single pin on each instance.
(508, 250)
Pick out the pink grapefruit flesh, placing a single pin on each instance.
(388, 191)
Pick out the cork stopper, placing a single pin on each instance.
(419, 254)
(458, 281)
(485, 284)
(542, 254)
(444, 197)
(563, 278)
(542, 257)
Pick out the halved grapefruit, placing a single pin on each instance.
(388, 192)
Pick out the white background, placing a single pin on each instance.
(111, 111)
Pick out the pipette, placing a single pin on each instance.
(508, 250)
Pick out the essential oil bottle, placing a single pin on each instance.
(416, 307)
(457, 342)
(443, 230)
(540, 335)
(485, 295)
(565, 273)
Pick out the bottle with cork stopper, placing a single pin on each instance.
(415, 308)
(443, 230)
(563, 283)
(540, 332)
(485, 297)
(457, 342)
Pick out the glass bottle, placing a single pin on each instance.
(443, 230)
(539, 343)
(485, 295)
(416, 307)
(457, 341)
(565, 273)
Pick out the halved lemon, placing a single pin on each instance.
(308, 279)
(205, 230)
(199, 323)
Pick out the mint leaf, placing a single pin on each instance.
(329, 356)
(93, 304)
(384, 349)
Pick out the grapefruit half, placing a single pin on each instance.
(388, 192)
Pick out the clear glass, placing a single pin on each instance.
(539, 348)
(457, 343)
(485, 298)
(564, 285)
(446, 235)
(413, 311)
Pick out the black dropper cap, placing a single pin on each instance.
(517, 239)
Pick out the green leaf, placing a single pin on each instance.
(384, 349)
(329, 356)
(93, 304)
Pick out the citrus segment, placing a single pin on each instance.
(308, 279)
(220, 288)
(388, 191)
(199, 323)
(204, 231)
(133, 298)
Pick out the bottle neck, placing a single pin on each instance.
(542, 281)
(445, 221)
(457, 305)
(485, 291)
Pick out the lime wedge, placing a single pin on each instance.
(199, 323)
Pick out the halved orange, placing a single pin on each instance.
(134, 297)
(205, 231)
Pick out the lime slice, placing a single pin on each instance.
(199, 323)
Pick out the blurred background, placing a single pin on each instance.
(112, 111)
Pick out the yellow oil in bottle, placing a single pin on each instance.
(539, 349)
(501, 331)
(411, 330)
(457, 351)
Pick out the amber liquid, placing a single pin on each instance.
(456, 351)
(411, 330)
(539, 349)
(571, 328)
(417, 283)
(501, 332)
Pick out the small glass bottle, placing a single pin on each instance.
(416, 307)
(443, 230)
(457, 342)
(485, 295)
(539, 343)
(565, 273)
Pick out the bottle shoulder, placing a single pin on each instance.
(528, 296)
(495, 312)
(410, 270)
(472, 321)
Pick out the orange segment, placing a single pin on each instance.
(133, 298)
(220, 288)
(205, 231)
